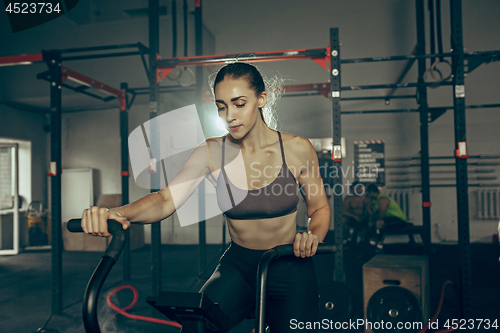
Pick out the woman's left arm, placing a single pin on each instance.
(318, 210)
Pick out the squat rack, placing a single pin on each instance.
(332, 55)
(159, 68)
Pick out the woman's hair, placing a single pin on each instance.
(258, 83)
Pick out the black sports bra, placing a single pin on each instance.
(277, 199)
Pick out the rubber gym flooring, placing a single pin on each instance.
(25, 288)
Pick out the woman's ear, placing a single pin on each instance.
(262, 99)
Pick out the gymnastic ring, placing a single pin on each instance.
(434, 69)
(190, 82)
(178, 74)
(431, 84)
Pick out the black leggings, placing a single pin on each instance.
(292, 290)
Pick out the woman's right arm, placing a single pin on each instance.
(155, 206)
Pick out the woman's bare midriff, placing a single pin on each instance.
(263, 234)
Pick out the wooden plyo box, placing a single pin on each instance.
(404, 271)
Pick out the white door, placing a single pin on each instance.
(9, 199)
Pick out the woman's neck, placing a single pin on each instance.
(259, 136)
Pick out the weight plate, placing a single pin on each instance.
(393, 306)
(336, 303)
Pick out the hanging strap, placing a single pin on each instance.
(282, 150)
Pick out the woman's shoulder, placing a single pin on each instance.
(296, 144)
(213, 141)
(214, 145)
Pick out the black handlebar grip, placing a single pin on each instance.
(323, 248)
(326, 248)
(74, 225)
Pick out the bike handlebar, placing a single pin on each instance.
(268, 256)
(115, 228)
(108, 260)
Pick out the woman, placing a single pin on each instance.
(259, 199)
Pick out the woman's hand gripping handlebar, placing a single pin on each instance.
(95, 221)
(113, 227)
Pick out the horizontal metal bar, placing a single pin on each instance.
(289, 91)
(250, 57)
(82, 79)
(307, 86)
(23, 59)
(164, 89)
(281, 55)
(410, 180)
(100, 48)
(304, 94)
(398, 166)
(486, 106)
(397, 159)
(415, 110)
(380, 111)
(441, 185)
(396, 85)
(396, 58)
(482, 53)
(378, 97)
(80, 91)
(405, 173)
(99, 56)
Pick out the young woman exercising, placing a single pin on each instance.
(260, 204)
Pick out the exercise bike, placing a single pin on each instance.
(189, 309)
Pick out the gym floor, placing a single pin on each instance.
(25, 292)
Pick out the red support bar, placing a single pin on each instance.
(322, 88)
(320, 56)
(82, 79)
(23, 59)
(222, 58)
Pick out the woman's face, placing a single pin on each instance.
(238, 106)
